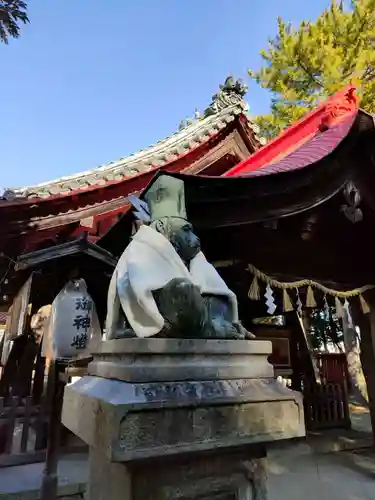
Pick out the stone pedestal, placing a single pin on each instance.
(171, 419)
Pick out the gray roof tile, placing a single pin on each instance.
(225, 106)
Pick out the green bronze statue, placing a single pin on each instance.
(163, 285)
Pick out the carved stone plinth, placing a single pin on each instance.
(175, 360)
(180, 419)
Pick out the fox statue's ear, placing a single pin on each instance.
(141, 210)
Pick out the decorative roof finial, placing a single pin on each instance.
(230, 94)
(8, 194)
(189, 121)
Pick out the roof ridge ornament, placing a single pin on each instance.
(10, 195)
(231, 93)
(338, 107)
(189, 121)
(193, 131)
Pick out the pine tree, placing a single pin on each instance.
(304, 65)
(12, 13)
(325, 329)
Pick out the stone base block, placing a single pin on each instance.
(141, 421)
(212, 476)
(180, 420)
(161, 360)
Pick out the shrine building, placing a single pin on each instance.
(288, 224)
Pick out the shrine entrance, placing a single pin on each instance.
(304, 262)
(325, 249)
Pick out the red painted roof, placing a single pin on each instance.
(339, 108)
(311, 151)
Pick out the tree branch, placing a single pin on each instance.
(313, 79)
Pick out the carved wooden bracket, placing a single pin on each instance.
(309, 226)
(351, 208)
(338, 107)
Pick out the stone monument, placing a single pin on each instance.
(177, 403)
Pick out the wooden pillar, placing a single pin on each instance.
(366, 324)
(295, 361)
(56, 385)
(300, 326)
(356, 381)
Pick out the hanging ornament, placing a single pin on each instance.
(339, 308)
(299, 303)
(287, 303)
(326, 306)
(351, 209)
(270, 300)
(347, 313)
(310, 299)
(254, 292)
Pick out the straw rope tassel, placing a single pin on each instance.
(339, 308)
(364, 306)
(287, 303)
(254, 292)
(310, 299)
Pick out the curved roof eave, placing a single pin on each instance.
(226, 105)
(329, 113)
(226, 201)
(300, 181)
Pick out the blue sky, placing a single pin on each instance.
(90, 81)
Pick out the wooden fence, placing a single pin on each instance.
(326, 406)
(333, 368)
(26, 417)
(23, 405)
(23, 431)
